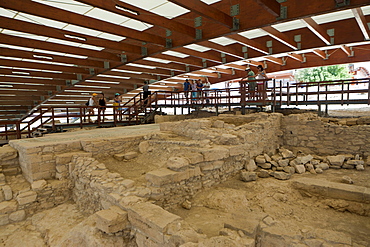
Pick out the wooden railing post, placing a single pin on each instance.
(18, 131)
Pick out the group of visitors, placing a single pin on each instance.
(254, 84)
(97, 100)
(198, 90)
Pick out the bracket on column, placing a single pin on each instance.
(123, 58)
(198, 34)
(168, 43)
(204, 61)
(91, 71)
(144, 51)
(106, 65)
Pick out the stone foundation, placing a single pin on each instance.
(209, 152)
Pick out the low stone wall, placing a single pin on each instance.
(19, 199)
(224, 150)
(9, 163)
(40, 161)
(307, 131)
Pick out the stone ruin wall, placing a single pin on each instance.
(73, 172)
(326, 137)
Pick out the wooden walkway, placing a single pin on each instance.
(275, 94)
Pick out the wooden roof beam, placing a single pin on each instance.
(362, 23)
(139, 14)
(297, 57)
(196, 62)
(205, 10)
(347, 50)
(224, 49)
(275, 60)
(249, 43)
(320, 53)
(317, 30)
(271, 6)
(281, 37)
(201, 55)
(38, 9)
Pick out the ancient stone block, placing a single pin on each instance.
(4, 219)
(38, 185)
(151, 220)
(355, 162)
(323, 166)
(309, 167)
(263, 174)
(360, 167)
(119, 157)
(144, 147)
(7, 207)
(63, 159)
(8, 153)
(2, 178)
(26, 197)
(130, 155)
(305, 159)
(17, 216)
(217, 153)
(336, 160)
(248, 176)
(228, 139)
(289, 169)
(347, 166)
(111, 220)
(283, 162)
(300, 169)
(250, 166)
(177, 163)
(265, 165)
(286, 153)
(160, 176)
(282, 175)
(237, 150)
(8, 194)
(194, 158)
(260, 159)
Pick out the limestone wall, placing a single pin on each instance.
(9, 164)
(307, 131)
(223, 151)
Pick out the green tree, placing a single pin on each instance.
(327, 73)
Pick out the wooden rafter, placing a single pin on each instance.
(317, 30)
(275, 60)
(362, 23)
(271, 6)
(296, 56)
(249, 43)
(320, 53)
(281, 37)
(205, 10)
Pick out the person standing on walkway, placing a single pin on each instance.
(116, 103)
(194, 90)
(200, 90)
(91, 104)
(102, 102)
(187, 87)
(146, 93)
(207, 87)
(261, 89)
(251, 83)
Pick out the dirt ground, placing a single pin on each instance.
(234, 201)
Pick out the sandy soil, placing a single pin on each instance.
(235, 203)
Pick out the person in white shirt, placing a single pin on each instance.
(207, 87)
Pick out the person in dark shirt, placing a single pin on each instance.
(146, 93)
(187, 87)
(102, 103)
